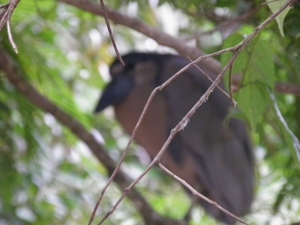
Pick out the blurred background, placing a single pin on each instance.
(49, 176)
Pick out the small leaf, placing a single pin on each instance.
(252, 100)
(274, 6)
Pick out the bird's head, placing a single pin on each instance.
(125, 78)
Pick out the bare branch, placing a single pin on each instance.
(5, 17)
(167, 40)
(156, 34)
(296, 143)
(225, 25)
(10, 37)
(287, 88)
(8, 10)
(229, 86)
(110, 33)
(234, 103)
(196, 193)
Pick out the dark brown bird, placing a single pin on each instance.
(213, 156)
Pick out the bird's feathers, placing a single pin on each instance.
(215, 158)
(223, 154)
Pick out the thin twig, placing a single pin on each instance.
(196, 193)
(121, 160)
(10, 7)
(224, 25)
(5, 18)
(295, 140)
(10, 37)
(221, 89)
(110, 32)
(287, 88)
(156, 34)
(164, 39)
(4, 6)
(229, 86)
(126, 190)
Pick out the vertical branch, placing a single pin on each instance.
(110, 32)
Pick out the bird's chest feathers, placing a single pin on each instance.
(154, 122)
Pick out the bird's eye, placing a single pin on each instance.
(129, 66)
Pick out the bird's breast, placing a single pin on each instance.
(153, 130)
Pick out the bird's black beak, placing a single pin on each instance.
(115, 92)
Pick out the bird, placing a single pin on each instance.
(213, 153)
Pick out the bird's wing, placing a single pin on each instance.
(222, 154)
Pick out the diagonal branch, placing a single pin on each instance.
(196, 193)
(5, 16)
(110, 32)
(156, 34)
(166, 40)
(8, 9)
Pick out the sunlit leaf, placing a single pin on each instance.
(274, 6)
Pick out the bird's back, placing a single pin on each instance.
(222, 152)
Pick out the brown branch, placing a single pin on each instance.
(225, 25)
(156, 34)
(165, 39)
(5, 17)
(287, 88)
(10, 37)
(15, 77)
(229, 86)
(234, 103)
(196, 193)
(117, 168)
(103, 8)
(8, 10)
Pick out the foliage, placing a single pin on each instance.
(48, 176)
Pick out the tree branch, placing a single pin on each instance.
(156, 34)
(5, 16)
(164, 39)
(287, 88)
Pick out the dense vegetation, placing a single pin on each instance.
(52, 171)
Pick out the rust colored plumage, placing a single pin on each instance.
(213, 157)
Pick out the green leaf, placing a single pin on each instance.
(274, 6)
(252, 100)
(255, 64)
